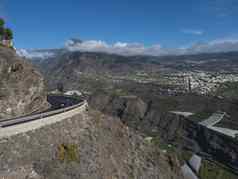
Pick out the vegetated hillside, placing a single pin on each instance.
(87, 70)
(22, 89)
(92, 72)
(90, 145)
(74, 67)
(104, 63)
(228, 90)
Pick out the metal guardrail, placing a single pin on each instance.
(15, 121)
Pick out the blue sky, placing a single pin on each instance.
(170, 23)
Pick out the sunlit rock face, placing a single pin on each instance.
(22, 89)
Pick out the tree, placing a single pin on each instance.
(2, 22)
(8, 34)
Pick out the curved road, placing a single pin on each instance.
(15, 126)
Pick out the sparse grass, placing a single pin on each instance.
(168, 103)
(156, 140)
(228, 90)
(119, 92)
(68, 152)
(210, 170)
(96, 115)
(184, 156)
(162, 145)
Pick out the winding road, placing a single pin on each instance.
(10, 127)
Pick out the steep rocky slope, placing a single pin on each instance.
(153, 107)
(154, 119)
(88, 146)
(22, 89)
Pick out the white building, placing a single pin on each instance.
(73, 92)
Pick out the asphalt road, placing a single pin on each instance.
(59, 104)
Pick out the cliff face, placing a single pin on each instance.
(127, 108)
(22, 89)
(174, 129)
(197, 138)
(90, 145)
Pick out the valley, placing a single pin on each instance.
(142, 91)
(119, 89)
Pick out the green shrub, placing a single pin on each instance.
(68, 152)
(213, 171)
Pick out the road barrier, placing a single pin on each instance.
(15, 121)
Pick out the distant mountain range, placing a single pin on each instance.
(129, 49)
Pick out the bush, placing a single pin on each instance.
(211, 170)
(5, 33)
(8, 34)
(68, 152)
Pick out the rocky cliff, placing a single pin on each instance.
(90, 145)
(22, 89)
(208, 143)
(180, 131)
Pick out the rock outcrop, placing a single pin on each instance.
(22, 89)
(131, 110)
(121, 106)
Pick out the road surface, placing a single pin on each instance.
(24, 124)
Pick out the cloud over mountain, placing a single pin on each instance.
(220, 45)
(120, 48)
(130, 49)
(39, 54)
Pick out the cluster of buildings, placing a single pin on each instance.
(200, 82)
(204, 83)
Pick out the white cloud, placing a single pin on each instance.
(219, 45)
(120, 48)
(30, 54)
(128, 49)
(192, 31)
(224, 40)
(120, 44)
(90, 45)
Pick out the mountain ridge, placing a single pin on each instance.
(133, 49)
